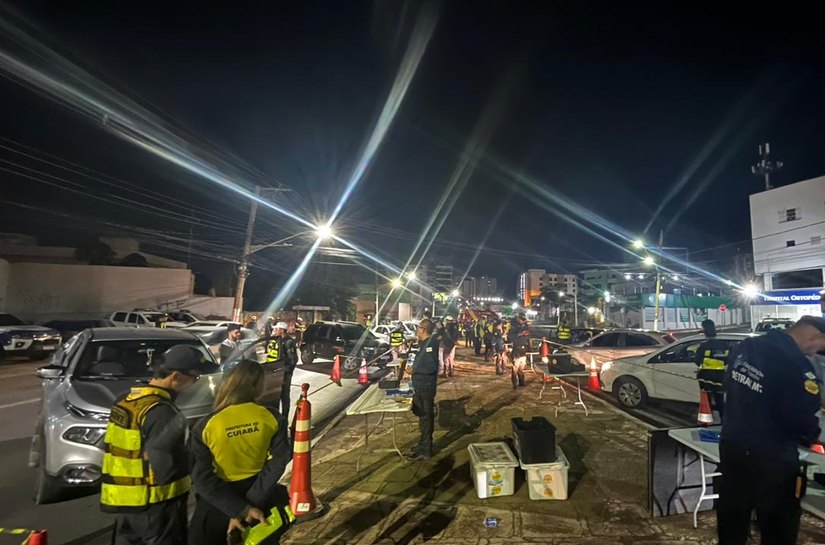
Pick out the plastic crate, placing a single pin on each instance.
(535, 440)
(548, 481)
(492, 467)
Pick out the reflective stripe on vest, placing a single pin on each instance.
(128, 481)
(273, 351)
(564, 333)
(712, 362)
(396, 338)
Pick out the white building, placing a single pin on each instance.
(486, 286)
(532, 282)
(468, 288)
(598, 281)
(787, 228)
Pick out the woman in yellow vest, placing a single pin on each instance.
(240, 452)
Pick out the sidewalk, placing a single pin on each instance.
(398, 502)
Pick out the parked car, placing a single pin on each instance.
(70, 328)
(20, 338)
(137, 318)
(79, 387)
(384, 331)
(183, 317)
(778, 324)
(330, 339)
(668, 373)
(211, 323)
(618, 343)
(580, 335)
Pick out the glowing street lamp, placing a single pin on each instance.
(397, 283)
(750, 291)
(454, 293)
(639, 244)
(649, 261)
(411, 275)
(591, 310)
(323, 232)
(515, 306)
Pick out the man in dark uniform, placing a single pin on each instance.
(519, 337)
(281, 350)
(145, 475)
(424, 380)
(710, 357)
(772, 397)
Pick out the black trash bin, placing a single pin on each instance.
(535, 440)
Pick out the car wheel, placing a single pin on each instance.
(47, 489)
(631, 393)
(307, 355)
(351, 364)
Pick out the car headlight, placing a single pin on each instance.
(607, 365)
(84, 435)
(83, 413)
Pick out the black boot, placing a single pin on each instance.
(521, 379)
(514, 379)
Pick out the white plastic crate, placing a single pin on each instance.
(492, 467)
(548, 481)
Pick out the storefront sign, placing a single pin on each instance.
(789, 297)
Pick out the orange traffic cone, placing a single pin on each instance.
(39, 537)
(335, 376)
(544, 351)
(705, 413)
(302, 500)
(363, 377)
(593, 383)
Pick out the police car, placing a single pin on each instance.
(18, 338)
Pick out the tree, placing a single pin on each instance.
(94, 253)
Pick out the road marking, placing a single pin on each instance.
(17, 404)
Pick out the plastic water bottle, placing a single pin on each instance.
(491, 522)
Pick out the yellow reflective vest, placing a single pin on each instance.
(129, 484)
(273, 350)
(396, 338)
(564, 333)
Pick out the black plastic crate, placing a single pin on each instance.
(535, 440)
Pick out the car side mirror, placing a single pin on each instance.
(49, 372)
(339, 339)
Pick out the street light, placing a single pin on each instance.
(411, 275)
(751, 291)
(397, 283)
(454, 293)
(649, 261)
(591, 310)
(639, 244)
(323, 232)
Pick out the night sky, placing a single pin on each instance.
(606, 104)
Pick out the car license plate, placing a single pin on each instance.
(49, 347)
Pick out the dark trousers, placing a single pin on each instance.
(477, 345)
(208, 525)
(423, 406)
(764, 483)
(717, 402)
(285, 388)
(160, 524)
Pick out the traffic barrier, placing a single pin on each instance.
(363, 376)
(33, 537)
(705, 413)
(335, 376)
(544, 351)
(593, 382)
(302, 500)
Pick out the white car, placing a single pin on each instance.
(383, 332)
(143, 318)
(618, 343)
(669, 373)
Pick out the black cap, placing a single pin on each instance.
(185, 357)
(233, 327)
(813, 321)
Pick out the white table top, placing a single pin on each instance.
(690, 438)
(375, 400)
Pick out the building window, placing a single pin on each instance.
(790, 214)
(790, 243)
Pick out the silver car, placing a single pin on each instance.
(81, 383)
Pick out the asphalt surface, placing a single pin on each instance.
(78, 520)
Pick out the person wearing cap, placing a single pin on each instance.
(230, 344)
(710, 357)
(771, 403)
(281, 350)
(145, 473)
(239, 454)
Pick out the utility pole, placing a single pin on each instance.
(658, 285)
(243, 265)
(765, 166)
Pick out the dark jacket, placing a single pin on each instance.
(450, 335)
(425, 365)
(772, 397)
(711, 358)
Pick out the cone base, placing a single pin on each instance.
(320, 510)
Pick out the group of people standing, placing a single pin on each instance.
(233, 458)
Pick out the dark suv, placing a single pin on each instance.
(350, 340)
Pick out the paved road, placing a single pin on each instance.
(77, 520)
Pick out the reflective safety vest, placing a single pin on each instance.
(564, 333)
(396, 338)
(273, 351)
(128, 480)
(711, 373)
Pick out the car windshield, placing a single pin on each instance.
(154, 316)
(354, 332)
(778, 325)
(126, 359)
(8, 319)
(182, 317)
